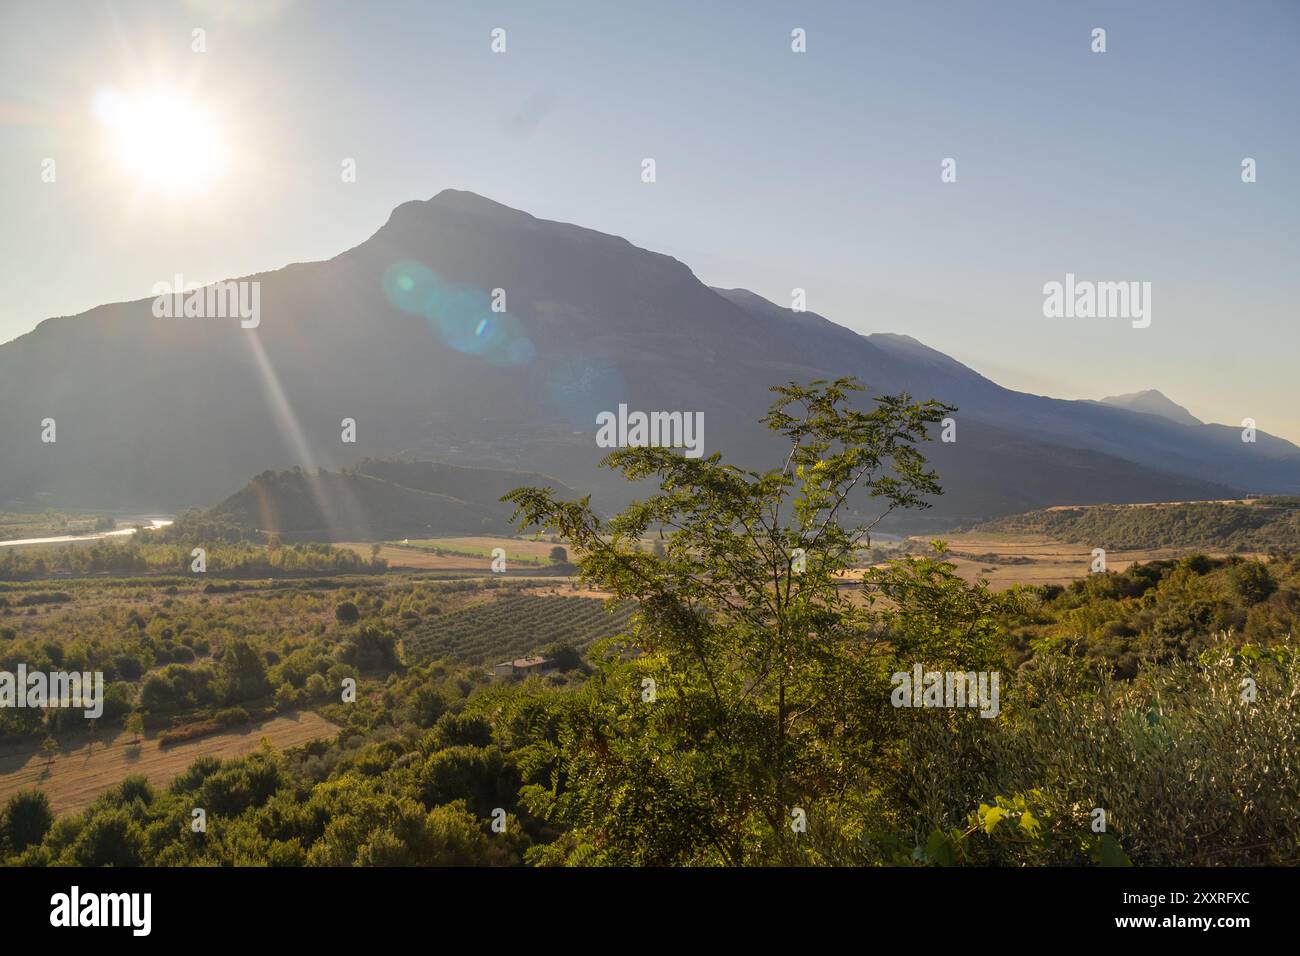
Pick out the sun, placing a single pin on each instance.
(163, 140)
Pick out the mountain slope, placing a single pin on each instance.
(1153, 402)
(400, 334)
(379, 498)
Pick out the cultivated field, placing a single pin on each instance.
(1004, 560)
(86, 766)
(511, 625)
(470, 554)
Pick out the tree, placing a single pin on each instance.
(316, 686)
(135, 726)
(1251, 582)
(346, 613)
(27, 818)
(243, 672)
(559, 555)
(564, 656)
(751, 685)
(109, 838)
(50, 748)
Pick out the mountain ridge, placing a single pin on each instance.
(398, 333)
(1152, 401)
(378, 496)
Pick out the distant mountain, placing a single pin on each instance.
(1153, 402)
(405, 335)
(378, 498)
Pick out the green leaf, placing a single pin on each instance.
(1110, 853)
(1029, 823)
(993, 817)
(939, 849)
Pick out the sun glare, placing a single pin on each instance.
(163, 140)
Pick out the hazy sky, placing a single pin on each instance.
(775, 169)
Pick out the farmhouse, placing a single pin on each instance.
(523, 667)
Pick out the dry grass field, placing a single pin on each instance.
(1001, 559)
(475, 553)
(1004, 560)
(86, 766)
(399, 557)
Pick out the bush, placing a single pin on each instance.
(232, 717)
(27, 818)
(316, 687)
(1251, 582)
(1074, 741)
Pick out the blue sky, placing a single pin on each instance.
(775, 170)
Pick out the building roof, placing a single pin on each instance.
(530, 661)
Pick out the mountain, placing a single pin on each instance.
(469, 332)
(378, 498)
(1153, 402)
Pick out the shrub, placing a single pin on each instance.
(26, 819)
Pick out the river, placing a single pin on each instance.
(153, 523)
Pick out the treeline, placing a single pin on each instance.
(1263, 525)
(152, 555)
(49, 523)
(1160, 611)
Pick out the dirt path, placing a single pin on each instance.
(83, 769)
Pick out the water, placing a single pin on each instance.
(154, 523)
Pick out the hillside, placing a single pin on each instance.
(1255, 525)
(1153, 402)
(378, 498)
(400, 335)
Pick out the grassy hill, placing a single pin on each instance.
(378, 498)
(1260, 524)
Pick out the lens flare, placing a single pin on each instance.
(460, 315)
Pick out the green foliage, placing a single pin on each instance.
(769, 682)
(243, 673)
(1261, 525)
(738, 685)
(1162, 610)
(1186, 770)
(1251, 582)
(1022, 830)
(26, 819)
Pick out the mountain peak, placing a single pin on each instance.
(1151, 401)
(467, 201)
(460, 201)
